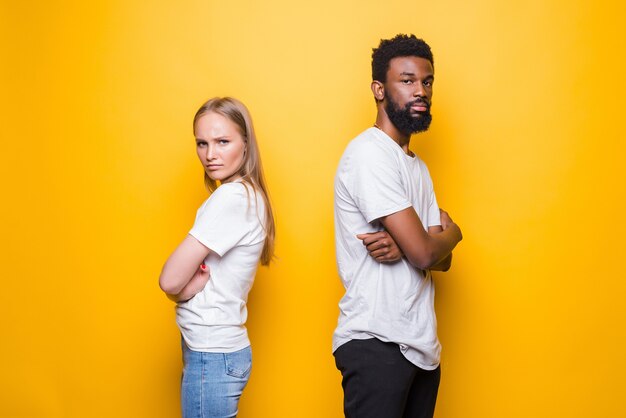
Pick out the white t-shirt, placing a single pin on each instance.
(229, 223)
(391, 302)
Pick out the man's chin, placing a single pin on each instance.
(422, 125)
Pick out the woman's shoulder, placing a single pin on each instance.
(233, 189)
(236, 193)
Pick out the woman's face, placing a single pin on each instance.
(220, 146)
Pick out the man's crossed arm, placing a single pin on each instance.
(404, 235)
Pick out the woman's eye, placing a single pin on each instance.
(201, 144)
(223, 142)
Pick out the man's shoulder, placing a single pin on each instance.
(366, 145)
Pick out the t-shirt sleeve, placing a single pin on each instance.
(434, 217)
(376, 183)
(224, 219)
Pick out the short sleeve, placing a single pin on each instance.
(434, 217)
(226, 218)
(375, 182)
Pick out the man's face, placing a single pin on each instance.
(408, 93)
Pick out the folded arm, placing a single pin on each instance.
(195, 285)
(381, 246)
(424, 250)
(446, 262)
(180, 275)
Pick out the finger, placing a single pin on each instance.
(380, 252)
(385, 259)
(389, 258)
(366, 238)
(373, 245)
(371, 239)
(204, 268)
(377, 245)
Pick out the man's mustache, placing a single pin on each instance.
(419, 101)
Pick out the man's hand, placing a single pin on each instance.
(381, 246)
(446, 221)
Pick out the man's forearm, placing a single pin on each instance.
(422, 249)
(439, 247)
(444, 264)
(434, 250)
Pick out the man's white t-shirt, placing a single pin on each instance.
(392, 302)
(229, 223)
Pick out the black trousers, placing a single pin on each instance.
(379, 382)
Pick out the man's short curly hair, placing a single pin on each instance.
(399, 46)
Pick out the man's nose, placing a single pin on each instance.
(420, 90)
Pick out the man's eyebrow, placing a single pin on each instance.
(407, 73)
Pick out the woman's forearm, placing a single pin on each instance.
(195, 285)
(182, 265)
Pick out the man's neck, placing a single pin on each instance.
(402, 139)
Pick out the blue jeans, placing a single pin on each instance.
(212, 383)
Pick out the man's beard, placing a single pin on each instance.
(404, 120)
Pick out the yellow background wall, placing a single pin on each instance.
(100, 182)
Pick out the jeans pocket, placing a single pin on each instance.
(238, 363)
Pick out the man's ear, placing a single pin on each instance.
(379, 90)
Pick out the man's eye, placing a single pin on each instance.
(407, 81)
(428, 83)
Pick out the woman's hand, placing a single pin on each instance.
(195, 285)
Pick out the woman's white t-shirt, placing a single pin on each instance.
(229, 223)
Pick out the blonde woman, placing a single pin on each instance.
(211, 272)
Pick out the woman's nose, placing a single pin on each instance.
(210, 152)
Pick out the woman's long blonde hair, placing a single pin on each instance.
(251, 170)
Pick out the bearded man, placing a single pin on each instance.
(390, 234)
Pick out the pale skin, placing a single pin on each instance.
(409, 79)
(181, 278)
(221, 149)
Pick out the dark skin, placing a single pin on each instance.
(409, 80)
(384, 249)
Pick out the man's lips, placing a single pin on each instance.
(419, 107)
